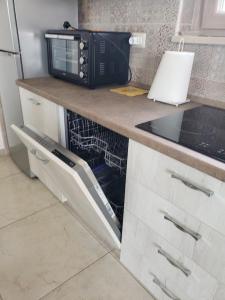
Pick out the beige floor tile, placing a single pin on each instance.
(41, 252)
(104, 280)
(7, 167)
(21, 196)
(116, 254)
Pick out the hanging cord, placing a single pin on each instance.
(67, 26)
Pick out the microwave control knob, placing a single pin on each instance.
(82, 60)
(82, 75)
(83, 45)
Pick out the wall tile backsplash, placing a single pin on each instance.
(158, 19)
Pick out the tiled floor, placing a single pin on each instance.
(45, 253)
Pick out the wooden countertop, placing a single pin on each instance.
(121, 114)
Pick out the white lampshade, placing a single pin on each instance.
(172, 79)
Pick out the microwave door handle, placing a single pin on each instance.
(51, 36)
(59, 36)
(66, 37)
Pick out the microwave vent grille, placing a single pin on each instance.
(102, 47)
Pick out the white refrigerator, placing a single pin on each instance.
(23, 54)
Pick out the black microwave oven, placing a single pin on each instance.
(89, 58)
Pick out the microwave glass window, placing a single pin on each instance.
(65, 56)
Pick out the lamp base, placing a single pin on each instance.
(173, 103)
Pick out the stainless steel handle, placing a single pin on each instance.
(192, 185)
(165, 290)
(35, 153)
(196, 236)
(51, 36)
(174, 262)
(34, 101)
(66, 37)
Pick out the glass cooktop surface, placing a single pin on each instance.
(201, 129)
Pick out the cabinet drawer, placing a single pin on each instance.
(161, 263)
(208, 252)
(199, 285)
(199, 194)
(155, 212)
(40, 114)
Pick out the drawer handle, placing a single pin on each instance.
(196, 236)
(174, 262)
(34, 101)
(165, 290)
(191, 185)
(35, 153)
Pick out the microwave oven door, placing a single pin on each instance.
(63, 56)
(71, 180)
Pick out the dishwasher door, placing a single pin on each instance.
(71, 180)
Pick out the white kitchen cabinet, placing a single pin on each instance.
(208, 252)
(156, 258)
(199, 194)
(199, 285)
(41, 115)
(170, 208)
(152, 210)
(181, 210)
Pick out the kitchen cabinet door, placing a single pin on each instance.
(40, 115)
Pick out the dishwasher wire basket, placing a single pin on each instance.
(89, 135)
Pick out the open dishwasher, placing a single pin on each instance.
(105, 152)
(89, 175)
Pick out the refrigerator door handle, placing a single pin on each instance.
(9, 53)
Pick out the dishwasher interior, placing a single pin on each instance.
(105, 152)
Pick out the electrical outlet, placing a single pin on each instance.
(138, 39)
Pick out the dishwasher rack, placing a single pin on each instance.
(90, 136)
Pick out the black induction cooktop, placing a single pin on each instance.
(201, 129)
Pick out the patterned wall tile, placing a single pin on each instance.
(202, 60)
(158, 19)
(215, 90)
(120, 11)
(156, 11)
(84, 11)
(217, 64)
(197, 87)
